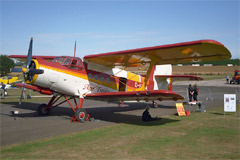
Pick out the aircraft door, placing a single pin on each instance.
(122, 84)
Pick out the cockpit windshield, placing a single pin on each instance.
(70, 62)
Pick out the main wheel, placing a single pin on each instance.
(81, 114)
(42, 109)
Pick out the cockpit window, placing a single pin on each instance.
(55, 59)
(79, 63)
(61, 60)
(67, 61)
(70, 62)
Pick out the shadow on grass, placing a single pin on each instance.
(226, 114)
(110, 113)
(217, 113)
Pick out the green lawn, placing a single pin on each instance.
(209, 135)
(13, 95)
(212, 77)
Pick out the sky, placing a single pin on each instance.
(106, 26)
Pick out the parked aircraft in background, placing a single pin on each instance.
(8, 80)
(104, 76)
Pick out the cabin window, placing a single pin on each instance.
(108, 80)
(96, 77)
(90, 76)
(101, 78)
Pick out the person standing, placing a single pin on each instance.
(195, 93)
(3, 88)
(190, 92)
(227, 78)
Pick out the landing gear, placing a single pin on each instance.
(154, 104)
(81, 115)
(42, 109)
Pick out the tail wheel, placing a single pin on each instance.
(42, 109)
(81, 114)
(154, 105)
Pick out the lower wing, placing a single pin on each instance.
(36, 88)
(134, 95)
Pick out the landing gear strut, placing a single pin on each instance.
(80, 113)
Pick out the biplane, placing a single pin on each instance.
(105, 76)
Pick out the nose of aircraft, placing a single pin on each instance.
(31, 70)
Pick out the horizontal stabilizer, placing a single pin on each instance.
(180, 77)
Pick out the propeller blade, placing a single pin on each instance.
(35, 71)
(29, 56)
(20, 100)
(17, 70)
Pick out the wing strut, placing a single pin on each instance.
(149, 71)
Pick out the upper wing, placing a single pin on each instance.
(134, 95)
(23, 58)
(187, 52)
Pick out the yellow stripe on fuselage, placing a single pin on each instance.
(111, 84)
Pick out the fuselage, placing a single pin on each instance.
(72, 76)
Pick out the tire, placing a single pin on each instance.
(81, 115)
(155, 105)
(41, 109)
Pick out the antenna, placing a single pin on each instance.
(75, 48)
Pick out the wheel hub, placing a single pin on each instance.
(82, 115)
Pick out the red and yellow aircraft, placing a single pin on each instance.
(104, 76)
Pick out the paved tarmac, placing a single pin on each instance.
(28, 126)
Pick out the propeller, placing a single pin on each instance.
(29, 71)
(16, 70)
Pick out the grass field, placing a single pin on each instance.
(13, 95)
(209, 135)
